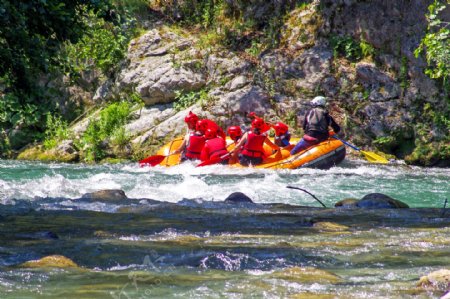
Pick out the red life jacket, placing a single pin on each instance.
(216, 147)
(254, 146)
(195, 146)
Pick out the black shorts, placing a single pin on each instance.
(247, 160)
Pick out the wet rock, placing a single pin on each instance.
(346, 203)
(238, 197)
(306, 275)
(438, 280)
(106, 195)
(380, 201)
(53, 261)
(330, 226)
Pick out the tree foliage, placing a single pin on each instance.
(436, 43)
(36, 40)
(31, 32)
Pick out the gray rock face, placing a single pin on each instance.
(382, 87)
(311, 67)
(156, 70)
(238, 197)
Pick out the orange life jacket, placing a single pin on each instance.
(216, 147)
(254, 146)
(195, 146)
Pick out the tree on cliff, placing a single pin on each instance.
(436, 43)
(32, 33)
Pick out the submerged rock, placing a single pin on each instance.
(44, 235)
(330, 226)
(106, 195)
(306, 275)
(238, 197)
(54, 261)
(437, 280)
(380, 201)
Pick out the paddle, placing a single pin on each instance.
(214, 160)
(370, 156)
(152, 160)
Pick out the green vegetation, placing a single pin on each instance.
(40, 41)
(346, 46)
(436, 44)
(109, 125)
(57, 130)
(102, 47)
(432, 141)
(185, 100)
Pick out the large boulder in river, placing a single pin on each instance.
(379, 201)
(238, 197)
(372, 201)
(51, 261)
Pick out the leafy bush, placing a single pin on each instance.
(57, 130)
(111, 119)
(346, 46)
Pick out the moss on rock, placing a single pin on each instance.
(51, 261)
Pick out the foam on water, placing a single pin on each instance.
(413, 185)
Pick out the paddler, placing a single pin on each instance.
(316, 123)
(194, 139)
(251, 146)
(215, 147)
(282, 135)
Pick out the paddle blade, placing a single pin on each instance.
(374, 158)
(213, 161)
(152, 160)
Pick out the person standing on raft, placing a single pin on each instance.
(251, 146)
(316, 123)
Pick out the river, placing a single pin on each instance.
(174, 238)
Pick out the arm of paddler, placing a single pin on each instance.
(234, 152)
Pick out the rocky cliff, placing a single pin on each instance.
(359, 54)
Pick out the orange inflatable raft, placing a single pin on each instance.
(322, 156)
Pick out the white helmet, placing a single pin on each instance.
(319, 101)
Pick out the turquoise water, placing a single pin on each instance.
(194, 246)
(418, 187)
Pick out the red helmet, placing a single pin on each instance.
(191, 118)
(234, 132)
(210, 133)
(202, 126)
(258, 123)
(280, 128)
